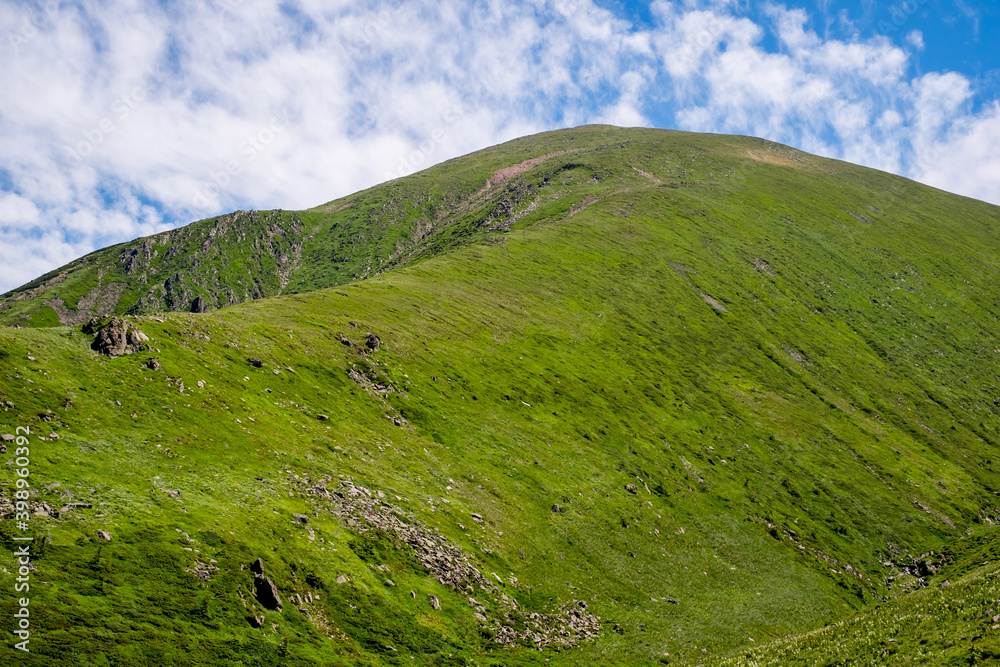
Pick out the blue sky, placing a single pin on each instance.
(121, 118)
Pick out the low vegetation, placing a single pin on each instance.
(652, 398)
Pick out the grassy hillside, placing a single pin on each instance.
(955, 620)
(723, 393)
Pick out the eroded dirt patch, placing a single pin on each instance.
(506, 173)
(789, 160)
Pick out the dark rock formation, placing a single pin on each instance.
(266, 593)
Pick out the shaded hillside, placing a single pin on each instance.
(248, 255)
(695, 399)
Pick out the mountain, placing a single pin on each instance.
(598, 396)
(249, 255)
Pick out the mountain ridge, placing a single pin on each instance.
(260, 253)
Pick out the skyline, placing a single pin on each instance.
(122, 120)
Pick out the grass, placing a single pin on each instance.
(791, 361)
(949, 623)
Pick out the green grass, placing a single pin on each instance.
(833, 410)
(948, 623)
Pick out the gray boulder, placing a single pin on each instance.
(116, 338)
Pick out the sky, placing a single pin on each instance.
(121, 118)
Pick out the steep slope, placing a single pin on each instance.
(719, 391)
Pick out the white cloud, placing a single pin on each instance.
(15, 209)
(965, 159)
(846, 99)
(120, 118)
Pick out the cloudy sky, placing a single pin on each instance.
(121, 118)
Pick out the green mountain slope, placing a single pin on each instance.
(721, 392)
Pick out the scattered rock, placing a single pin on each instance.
(257, 567)
(928, 564)
(69, 507)
(171, 493)
(434, 602)
(104, 535)
(203, 571)
(256, 362)
(372, 342)
(153, 364)
(7, 437)
(322, 418)
(477, 517)
(556, 508)
(341, 579)
(507, 624)
(255, 621)
(116, 338)
(199, 305)
(632, 488)
(301, 518)
(390, 582)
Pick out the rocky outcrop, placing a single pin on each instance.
(265, 592)
(116, 337)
